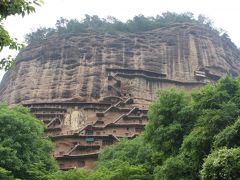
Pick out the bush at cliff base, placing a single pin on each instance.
(183, 130)
(25, 153)
(222, 164)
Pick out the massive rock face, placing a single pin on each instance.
(91, 89)
(74, 68)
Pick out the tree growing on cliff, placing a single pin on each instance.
(112, 25)
(24, 151)
(8, 8)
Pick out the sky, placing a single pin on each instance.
(224, 13)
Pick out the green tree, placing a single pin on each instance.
(134, 152)
(112, 25)
(5, 174)
(118, 170)
(215, 109)
(74, 174)
(15, 7)
(228, 137)
(24, 150)
(39, 35)
(173, 168)
(222, 164)
(170, 119)
(114, 170)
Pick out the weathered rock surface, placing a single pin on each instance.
(78, 67)
(92, 89)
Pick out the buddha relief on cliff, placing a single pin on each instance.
(75, 119)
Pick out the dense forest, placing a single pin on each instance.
(112, 25)
(189, 136)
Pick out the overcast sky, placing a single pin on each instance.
(224, 13)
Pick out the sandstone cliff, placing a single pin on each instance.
(88, 66)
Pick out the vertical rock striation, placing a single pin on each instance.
(92, 88)
(73, 68)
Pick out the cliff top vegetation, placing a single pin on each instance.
(112, 25)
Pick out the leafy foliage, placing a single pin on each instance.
(5, 174)
(15, 7)
(116, 170)
(23, 149)
(184, 129)
(134, 152)
(222, 164)
(112, 25)
(75, 174)
(228, 137)
(170, 118)
(173, 168)
(123, 170)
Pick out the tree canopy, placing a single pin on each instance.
(14, 7)
(189, 136)
(222, 164)
(24, 151)
(112, 25)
